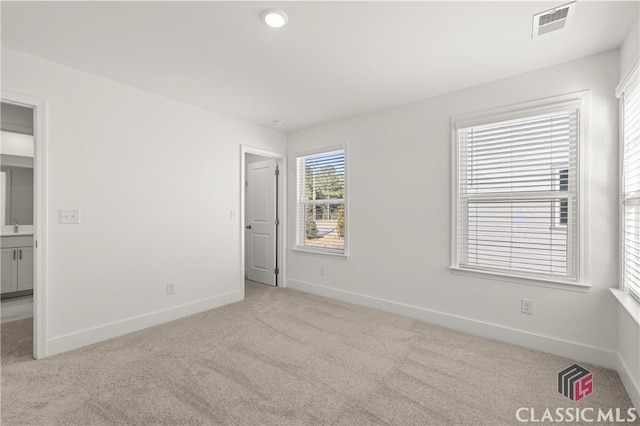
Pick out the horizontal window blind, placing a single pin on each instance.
(321, 201)
(517, 196)
(631, 184)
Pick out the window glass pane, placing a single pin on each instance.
(632, 246)
(324, 226)
(631, 183)
(517, 195)
(520, 156)
(516, 236)
(321, 201)
(564, 212)
(564, 204)
(324, 176)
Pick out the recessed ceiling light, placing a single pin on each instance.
(274, 18)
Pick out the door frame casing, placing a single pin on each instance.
(281, 206)
(40, 272)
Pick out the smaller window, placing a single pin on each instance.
(321, 202)
(629, 94)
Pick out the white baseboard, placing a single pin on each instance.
(97, 334)
(631, 385)
(574, 351)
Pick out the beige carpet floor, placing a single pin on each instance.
(283, 357)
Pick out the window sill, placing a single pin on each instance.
(631, 305)
(519, 279)
(322, 253)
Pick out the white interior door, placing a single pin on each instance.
(260, 222)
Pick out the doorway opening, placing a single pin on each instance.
(262, 218)
(22, 190)
(16, 220)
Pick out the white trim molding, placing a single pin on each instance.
(631, 384)
(630, 305)
(514, 278)
(572, 350)
(93, 335)
(281, 159)
(338, 145)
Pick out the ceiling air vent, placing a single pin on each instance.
(552, 20)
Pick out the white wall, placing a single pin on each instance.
(629, 327)
(253, 158)
(400, 217)
(155, 180)
(630, 48)
(629, 352)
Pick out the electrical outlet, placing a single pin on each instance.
(526, 306)
(171, 287)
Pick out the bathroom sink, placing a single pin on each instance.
(23, 230)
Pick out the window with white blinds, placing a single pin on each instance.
(630, 105)
(517, 195)
(321, 202)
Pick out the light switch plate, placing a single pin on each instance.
(70, 217)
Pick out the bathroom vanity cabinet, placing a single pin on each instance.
(17, 264)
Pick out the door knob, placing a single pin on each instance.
(248, 226)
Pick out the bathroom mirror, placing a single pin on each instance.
(16, 165)
(17, 189)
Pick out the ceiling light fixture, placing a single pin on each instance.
(275, 18)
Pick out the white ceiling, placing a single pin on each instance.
(333, 59)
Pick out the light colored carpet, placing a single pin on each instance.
(283, 357)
